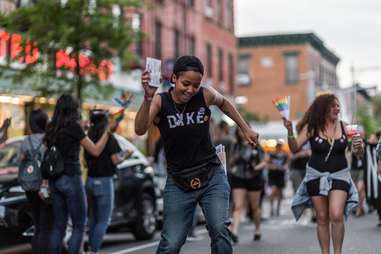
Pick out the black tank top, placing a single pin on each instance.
(320, 148)
(185, 132)
(279, 159)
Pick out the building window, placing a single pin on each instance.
(209, 60)
(22, 3)
(220, 65)
(220, 12)
(243, 77)
(190, 3)
(230, 15)
(158, 28)
(231, 71)
(192, 46)
(291, 64)
(176, 42)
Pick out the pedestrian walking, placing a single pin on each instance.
(42, 214)
(195, 174)
(277, 163)
(68, 194)
(246, 181)
(373, 173)
(99, 183)
(298, 164)
(328, 183)
(358, 166)
(4, 131)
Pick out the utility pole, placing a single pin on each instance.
(353, 71)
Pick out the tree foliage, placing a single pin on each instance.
(95, 30)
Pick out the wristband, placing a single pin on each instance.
(291, 136)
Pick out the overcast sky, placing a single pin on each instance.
(350, 28)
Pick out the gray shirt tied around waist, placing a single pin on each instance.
(302, 200)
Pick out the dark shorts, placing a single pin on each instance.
(250, 184)
(313, 186)
(276, 178)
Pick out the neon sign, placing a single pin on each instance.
(11, 45)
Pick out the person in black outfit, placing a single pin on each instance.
(68, 193)
(4, 131)
(42, 213)
(358, 166)
(277, 162)
(195, 174)
(99, 184)
(298, 163)
(371, 177)
(328, 181)
(246, 181)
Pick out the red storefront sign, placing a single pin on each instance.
(11, 44)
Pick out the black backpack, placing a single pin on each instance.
(52, 165)
(29, 175)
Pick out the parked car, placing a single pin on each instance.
(136, 196)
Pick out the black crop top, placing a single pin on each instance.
(320, 148)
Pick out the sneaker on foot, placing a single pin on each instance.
(234, 238)
(257, 236)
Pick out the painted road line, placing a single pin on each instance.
(149, 245)
(140, 247)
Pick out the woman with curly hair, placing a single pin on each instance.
(328, 185)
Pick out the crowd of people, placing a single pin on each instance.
(330, 172)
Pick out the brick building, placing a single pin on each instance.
(204, 28)
(298, 65)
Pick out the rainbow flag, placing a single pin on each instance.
(125, 99)
(282, 103)
(118, 115)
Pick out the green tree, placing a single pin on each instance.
(84, 32)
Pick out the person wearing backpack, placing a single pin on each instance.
(31, 181)
(99, 184)
(64, 137)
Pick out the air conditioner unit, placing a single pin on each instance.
(209, 11)
(243, 79)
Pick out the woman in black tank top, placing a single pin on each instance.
(327, 136)
(194, 174)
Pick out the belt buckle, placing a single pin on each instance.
(195, 183)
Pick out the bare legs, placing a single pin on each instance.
(254, 197)
(330, 210)
(239, 200)
(276, 196)
(361, 190)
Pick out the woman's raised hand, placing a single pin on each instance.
(287, 123)
(149, 91)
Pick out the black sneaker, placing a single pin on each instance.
(234, 238)
(257, 237)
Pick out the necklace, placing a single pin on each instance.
(176, 109)
(332, 138)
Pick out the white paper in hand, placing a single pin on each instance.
(220, 151)
(153, 66)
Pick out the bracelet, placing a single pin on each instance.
(291, 136)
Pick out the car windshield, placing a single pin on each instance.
(9, 160)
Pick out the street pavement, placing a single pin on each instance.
(281, 235)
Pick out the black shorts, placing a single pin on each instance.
(313, 186)
(276, 178)
(250, 184)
